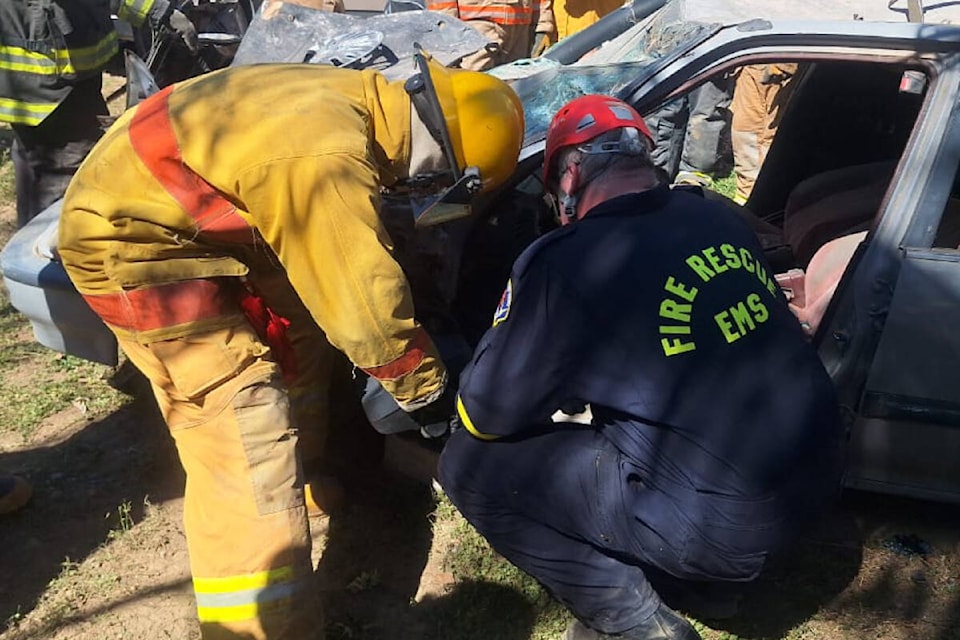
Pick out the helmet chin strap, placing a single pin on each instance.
(573, 182)
(569, 194)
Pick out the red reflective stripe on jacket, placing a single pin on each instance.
(406, 363)
(163, 306)
(499, 14)
(153, 139)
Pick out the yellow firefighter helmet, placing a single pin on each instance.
(476, 118)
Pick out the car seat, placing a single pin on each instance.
(833, 204)
(810, 292)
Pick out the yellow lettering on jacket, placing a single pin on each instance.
(700, 268)
(710, 253)
(673, 310)
(712, 261)
(730, 253)
(680, 315)
(741, 318)
(679, 290)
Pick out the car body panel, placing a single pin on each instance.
(294, 33)
(40, 289)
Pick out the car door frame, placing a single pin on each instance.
(851, 331)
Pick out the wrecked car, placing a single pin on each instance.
(856, 203)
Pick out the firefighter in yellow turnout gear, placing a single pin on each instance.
(511, 25)
(267, 178)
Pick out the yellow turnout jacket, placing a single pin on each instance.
(196, 183)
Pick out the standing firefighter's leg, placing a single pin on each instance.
(749, 118)
(310, 382)
(311, 368)
(246, 524)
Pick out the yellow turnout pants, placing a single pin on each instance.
(760, 94)
(241, 433)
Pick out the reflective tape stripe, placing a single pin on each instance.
(468, 423)
(152, 137)
(59, 61)
(135, 11)
(245, 596)
(406, 363)
(441, 6)
(177, 303)
(163, 306)
(498, 14)
(243, 581)
(27, 113)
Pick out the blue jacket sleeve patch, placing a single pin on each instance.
(503, 309)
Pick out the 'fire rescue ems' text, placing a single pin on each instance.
(742, 317)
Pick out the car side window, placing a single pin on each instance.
(948, 231)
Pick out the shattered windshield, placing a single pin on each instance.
(543, 94)
(608, 70)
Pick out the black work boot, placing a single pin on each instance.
(664, 624)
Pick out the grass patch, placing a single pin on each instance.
(39, 382)
(500, 601)
(7, 190)
(726, 186)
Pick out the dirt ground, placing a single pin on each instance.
(100, 553)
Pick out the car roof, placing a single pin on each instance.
(726, 11)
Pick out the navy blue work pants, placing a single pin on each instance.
(595, 526)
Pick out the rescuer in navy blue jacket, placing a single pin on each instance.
(714, 431)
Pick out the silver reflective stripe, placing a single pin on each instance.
(21, 60)
(24, 112)
(249, 596)
(59, 61)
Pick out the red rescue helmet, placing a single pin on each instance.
(586, 118)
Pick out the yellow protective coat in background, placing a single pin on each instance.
(572, 16)
(510, 24)
(298, 152)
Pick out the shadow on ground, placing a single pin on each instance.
(797, 583)
(80, 485)
(372, 566)
(877, 565)
(845, 573)
(377, 550)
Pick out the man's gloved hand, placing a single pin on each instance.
(435, 418)
(386, 416)
(180, 24)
